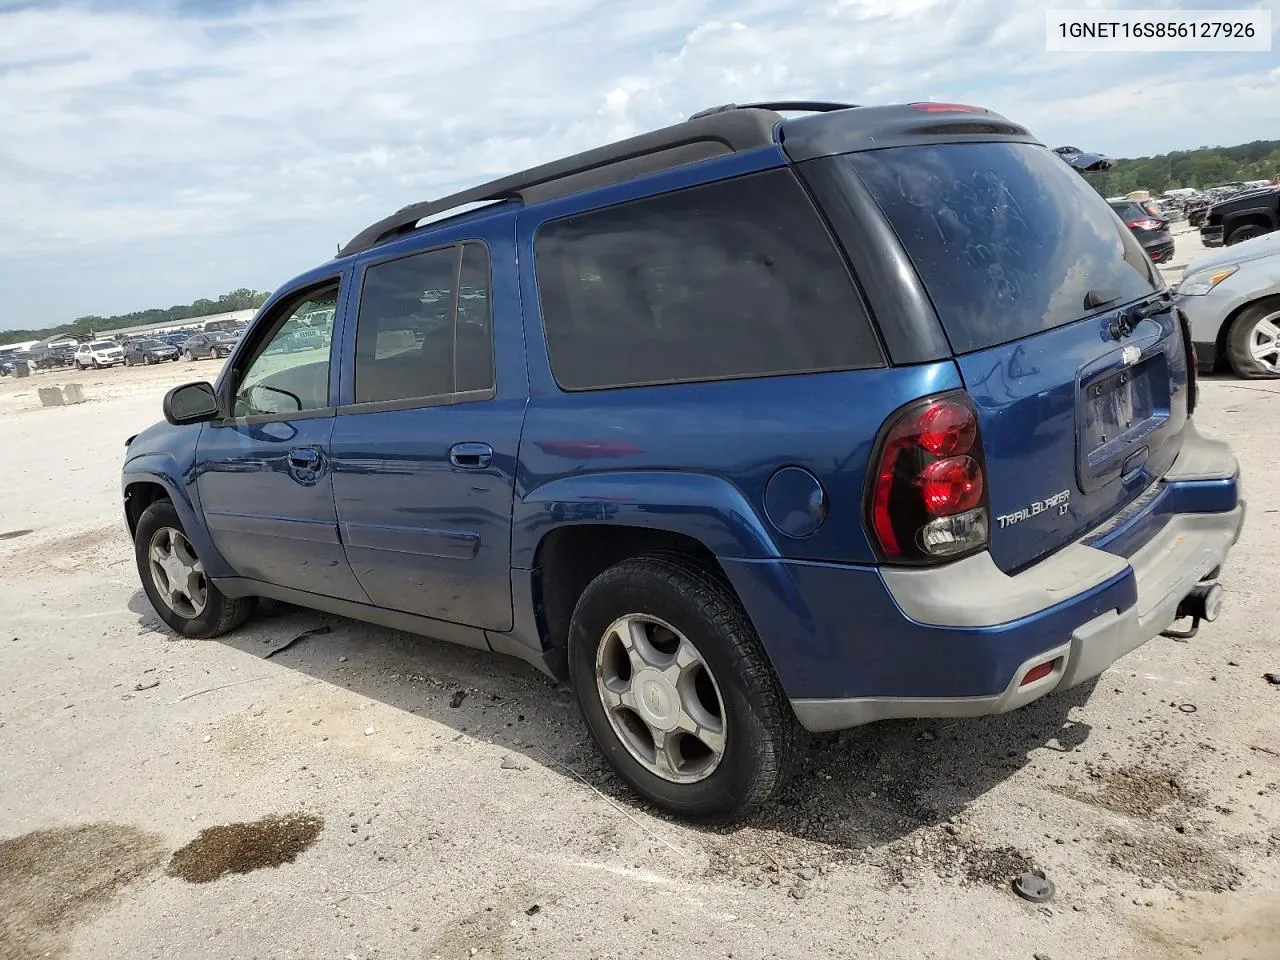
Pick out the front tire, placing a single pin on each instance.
(676, 689)
(1253, 343)
(174, 581)
(1246, 232)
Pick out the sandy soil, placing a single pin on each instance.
(389, 796)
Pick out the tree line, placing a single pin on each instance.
(1200, 168)
(84, 327)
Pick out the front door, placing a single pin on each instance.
(266, 481)
(424, 451)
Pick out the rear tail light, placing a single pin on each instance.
(928, 496)
(1147, 224)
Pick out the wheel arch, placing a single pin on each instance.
(145, 481)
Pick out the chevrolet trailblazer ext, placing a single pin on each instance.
(745, 426)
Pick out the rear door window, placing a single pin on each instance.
(1007, 238)
(404, 331)
(738, 278)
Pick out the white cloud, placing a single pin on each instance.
(273, 131)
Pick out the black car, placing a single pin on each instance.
(147, 352)
(1248, 214)
(204, 346)
(1151, 229)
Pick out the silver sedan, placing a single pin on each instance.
(1232, 299)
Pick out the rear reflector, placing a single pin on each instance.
(1039, 673)
(947, 108)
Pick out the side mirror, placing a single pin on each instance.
(190, 403)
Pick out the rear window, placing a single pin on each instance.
(732, 279)
(1007, 239)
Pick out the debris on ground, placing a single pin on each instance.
(533, 910)
(1034, 885)
(1272, 678)
(147, 685)
(456, 700)
(508, 764)
(314, 631)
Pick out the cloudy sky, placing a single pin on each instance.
(156, 151)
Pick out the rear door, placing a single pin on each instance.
(425, 442)
(1060, 325)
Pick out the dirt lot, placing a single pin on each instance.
(367, 794)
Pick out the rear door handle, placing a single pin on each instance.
(471, 456)
(304, 458)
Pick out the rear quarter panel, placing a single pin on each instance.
(598, 456)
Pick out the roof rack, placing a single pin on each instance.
(721, 131)
(778, 106)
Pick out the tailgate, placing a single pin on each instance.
(1063, 331)
(1075, 425)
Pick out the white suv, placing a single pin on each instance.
(99, 353)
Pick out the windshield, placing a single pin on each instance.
(101, 345)
(1007, 239)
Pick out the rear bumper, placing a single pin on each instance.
(853, 645)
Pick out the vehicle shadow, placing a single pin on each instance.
(856, 790)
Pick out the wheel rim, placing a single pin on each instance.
(1264, 342)
(177, 573)
(661, 698)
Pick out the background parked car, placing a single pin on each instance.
(1248, 214)
(99, 353)
(1232, 299)
(148, 352)
(1151, 229)
(205, 346)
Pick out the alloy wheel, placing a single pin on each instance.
(661, 698)
(177, 573)
(1264, 342)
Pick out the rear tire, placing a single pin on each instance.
(1246, 232)
(758, 737)
(202, 611)
(1253, 343)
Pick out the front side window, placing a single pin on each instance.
(732, 279)
(290, 373)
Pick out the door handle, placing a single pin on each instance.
(304, 458)
(471, 456)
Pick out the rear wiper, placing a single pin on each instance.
(1099, 298)
(1149, 308)
(1122, 325)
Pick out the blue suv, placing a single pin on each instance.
(745, 427)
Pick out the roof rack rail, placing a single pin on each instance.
(778, 106)
(715, 134)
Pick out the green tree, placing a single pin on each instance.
(241, 299)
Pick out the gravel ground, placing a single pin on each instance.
(366, 793)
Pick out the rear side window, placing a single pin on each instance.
(1007, 239)
(408, 343)
(474, 337)
(404, 331)
(732, 279)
